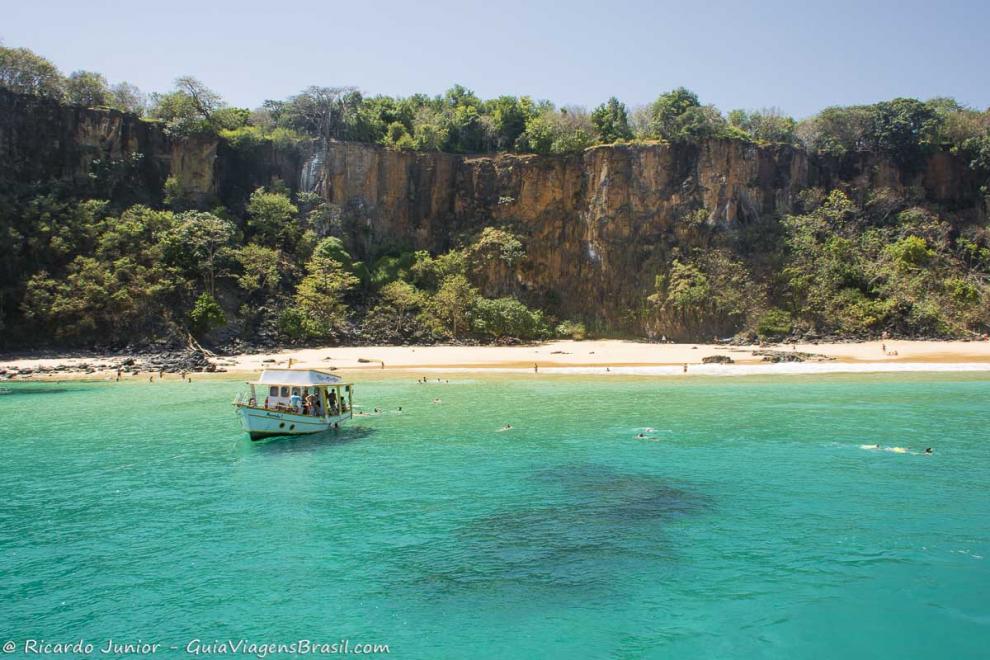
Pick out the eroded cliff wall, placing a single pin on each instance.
(597, 225)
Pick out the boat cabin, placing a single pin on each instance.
(301, 391)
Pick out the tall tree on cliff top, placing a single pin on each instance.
(320, 111)
(88, 88)
(24, 72)
(679, 116)
(192, 108)
(611, 121)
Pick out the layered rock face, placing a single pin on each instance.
(43, 141)
(597, 226)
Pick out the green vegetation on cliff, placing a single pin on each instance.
(460, 122)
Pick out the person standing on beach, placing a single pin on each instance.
(685, 367)
(536, 369)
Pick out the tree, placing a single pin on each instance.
(903, 128)
(453, 302)
(667, 112)
(199, 244)
(430, 272)
(320, 296)
(24, 72)
(552, 132)
(273, 216)
(496, 244)
(768, 125)
(506, 317)
(88, 89)
(203, 99)
(509, 116)
(127, 98)
(193, 108)
(206, 315)
(402, 296)
(320, 111)
(611, 121)
(260, 268)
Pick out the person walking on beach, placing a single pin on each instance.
(536, 369)
(685, 367)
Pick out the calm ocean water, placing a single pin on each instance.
(750, 523)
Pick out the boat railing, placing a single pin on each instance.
(245, 399)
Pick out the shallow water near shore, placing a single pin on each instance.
(753, 520)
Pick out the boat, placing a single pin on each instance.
(294, 402)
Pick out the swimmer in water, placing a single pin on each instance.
(507, 427)
(437, 401)
(929, 450)
(641, 435)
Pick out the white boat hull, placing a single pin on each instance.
(261, 423)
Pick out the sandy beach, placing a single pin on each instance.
(591, 356)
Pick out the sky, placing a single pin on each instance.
(798, 57)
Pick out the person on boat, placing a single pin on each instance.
(311, 403)
(295, 401)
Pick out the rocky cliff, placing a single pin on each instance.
(596, 225)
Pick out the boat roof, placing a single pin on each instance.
(298, 377)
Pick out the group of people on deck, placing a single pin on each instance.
(308, 405)
(304, 402)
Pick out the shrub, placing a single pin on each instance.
(573, 329)
(774, 323)
(910, 252)
(206, 315)
(506, 317)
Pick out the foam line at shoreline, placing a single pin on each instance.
(784, 368)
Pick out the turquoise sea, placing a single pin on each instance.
(750, 524)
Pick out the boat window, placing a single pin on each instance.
(273, 390)
(285, 390)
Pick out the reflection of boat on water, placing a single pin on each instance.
(294, 402)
